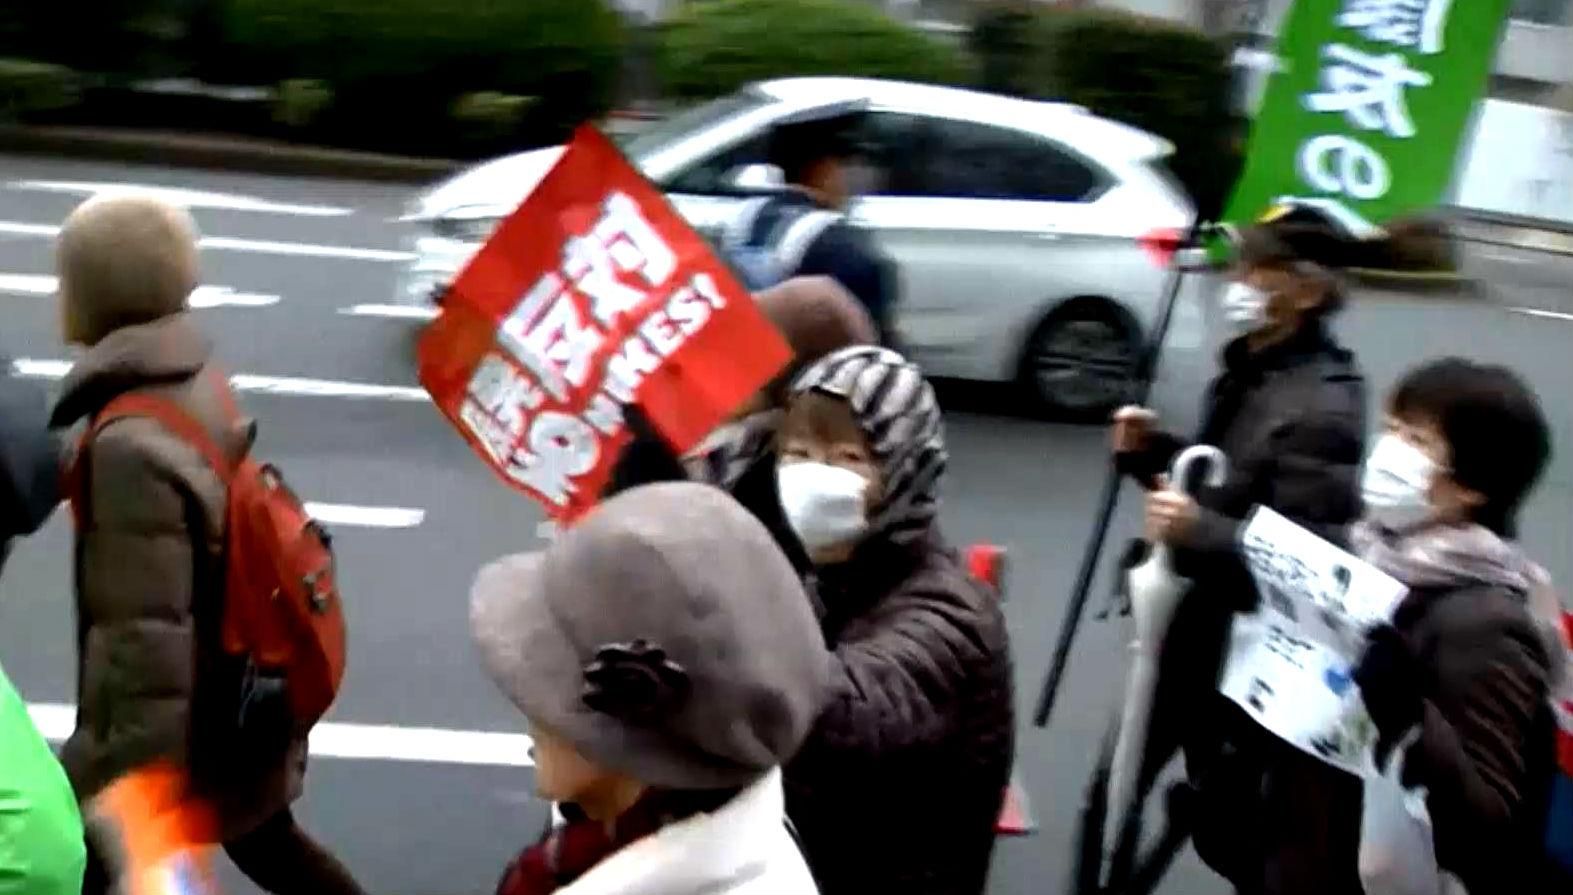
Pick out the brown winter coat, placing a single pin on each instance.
(151, 681)
(899, 785)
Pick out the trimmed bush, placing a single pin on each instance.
(397, 66)
(712, 47)
(124, 39)
(1151, 73)
(1006, 39)
(29, 88)
(489, 117)
(300, 101)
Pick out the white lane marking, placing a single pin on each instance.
(326, 388)
(397, 312)
(301, 249)
(17, 228)
(202, 297)
(49, 368)
(258, 246)
(186, 198)
(1536, 312)
(1505, 258)
(372, 742)
(225, 297)
(27, 284)
(365, 517)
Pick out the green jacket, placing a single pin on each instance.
(42, 851)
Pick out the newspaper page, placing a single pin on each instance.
(1289, 664)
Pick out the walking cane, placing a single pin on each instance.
(1140, 388)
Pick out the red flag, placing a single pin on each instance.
(593, 295)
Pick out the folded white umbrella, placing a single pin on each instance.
(1155, 593)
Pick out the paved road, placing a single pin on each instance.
(418, 513)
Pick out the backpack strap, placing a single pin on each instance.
(171, 416)
(797, 233)
(739, 230)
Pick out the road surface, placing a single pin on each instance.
(422, 782)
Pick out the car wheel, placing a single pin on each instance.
(1078, 362)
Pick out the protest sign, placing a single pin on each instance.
(593, 295)
(1289, 664)
(1367, 107)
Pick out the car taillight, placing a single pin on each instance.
(1162, 244)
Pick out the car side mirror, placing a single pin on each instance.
(756, 177)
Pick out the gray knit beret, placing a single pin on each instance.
(664, 635)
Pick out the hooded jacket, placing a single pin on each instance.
(151, 680)
(902, 778)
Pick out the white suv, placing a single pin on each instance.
(1016, 225)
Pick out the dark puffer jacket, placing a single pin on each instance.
(1486, 672)
(29, 459)
(899, 785)
(1291, 420)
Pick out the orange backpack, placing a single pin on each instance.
(281, 612)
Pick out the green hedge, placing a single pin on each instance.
(1151, 73)
(397, 67)
(28, 88)
(712, 47)
(118, 38)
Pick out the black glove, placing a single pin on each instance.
(1390, 680)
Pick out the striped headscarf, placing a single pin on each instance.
(895, 407)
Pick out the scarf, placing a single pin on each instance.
(567, 852)
(1454, 556)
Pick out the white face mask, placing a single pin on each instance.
(823, 503)
(1396, 484)
(1244, 307)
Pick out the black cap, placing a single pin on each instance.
(795, 144)
(1292, 233)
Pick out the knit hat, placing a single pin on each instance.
(896, 409)
(124, 260)
(664, 635)
(816, 316)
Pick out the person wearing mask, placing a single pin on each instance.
(152, 685)
(804, 226)
(898, 787)
(1475, 646)
(1288, 410)
(41, 844)
(816, 317)
(667, 661)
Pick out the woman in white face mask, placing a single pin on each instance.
(816, 317)
(900, 782)
(1475, 648)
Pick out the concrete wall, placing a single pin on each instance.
(1519, 164)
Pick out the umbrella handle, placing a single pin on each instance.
(1217, 466)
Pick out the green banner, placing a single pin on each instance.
(1368, 105)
